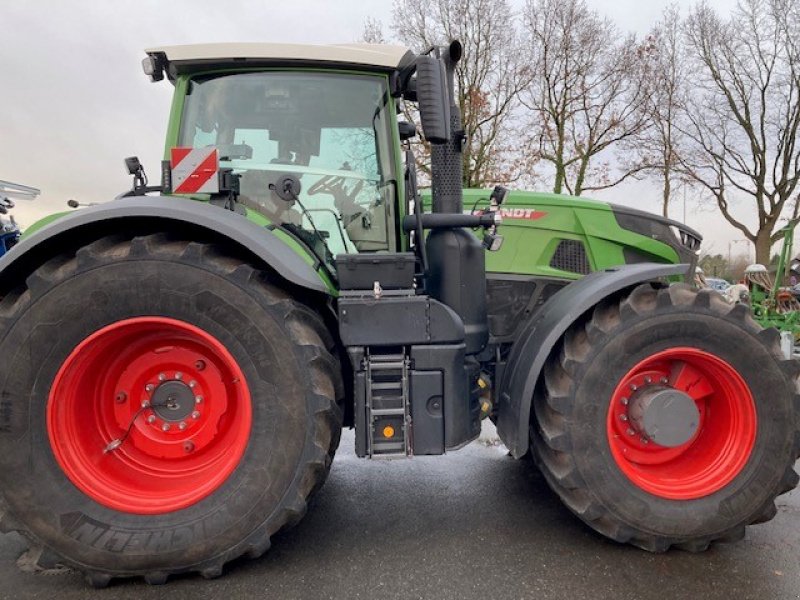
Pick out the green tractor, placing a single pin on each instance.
(179, 362)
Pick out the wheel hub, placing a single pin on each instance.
(681, 423)
(173, 401)
(664, 415)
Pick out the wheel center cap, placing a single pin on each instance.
(173, 401)
(665, 415)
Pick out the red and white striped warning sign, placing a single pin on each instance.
(194, 170)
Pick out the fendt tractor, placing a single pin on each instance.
(179, 362)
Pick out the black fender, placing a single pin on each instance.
(149, 213)
(540, 335)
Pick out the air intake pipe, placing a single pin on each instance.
(457, 267)
(446, 159)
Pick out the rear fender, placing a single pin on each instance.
(541, 334)
(154, 213)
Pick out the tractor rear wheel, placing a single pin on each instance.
(165, 409)
(668, 418)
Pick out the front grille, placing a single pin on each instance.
(570, 255)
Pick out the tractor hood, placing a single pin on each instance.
(603, 234)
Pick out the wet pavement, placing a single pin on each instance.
(472, 524)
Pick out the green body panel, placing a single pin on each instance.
(534, 224)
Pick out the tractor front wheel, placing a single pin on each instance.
(668, 417)
(165, 409)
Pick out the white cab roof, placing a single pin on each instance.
(383, 56)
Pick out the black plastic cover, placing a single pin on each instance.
(457, 277)
(461, 406)
(434, 107)
(394, 271)
(396, 321)
(427, 412)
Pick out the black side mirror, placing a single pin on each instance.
(133, 165)
(432, 96)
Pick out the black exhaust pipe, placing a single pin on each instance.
(457, 265)
(446, 159)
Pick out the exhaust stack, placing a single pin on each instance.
(446, 159)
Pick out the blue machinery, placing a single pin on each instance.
(9, 230)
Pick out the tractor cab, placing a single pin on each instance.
(327, 120)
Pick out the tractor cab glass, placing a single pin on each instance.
(330, 131)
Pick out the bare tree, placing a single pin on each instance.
(372, 32)
(657, 146)
(586, 95)
(488, 79)
(744, 117)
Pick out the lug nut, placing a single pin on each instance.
(200, 365)
(149, 387)
(161, 377)
(165, 427)
(623, 417)
(121, 397)
(145, 403)
(648, 380)
(182, 425)
(196, 414)
(198, 399)
(624, 401)
(631, 432)
(192, 383)
(664, 380)
(178, 375)
(151, 419)
(645, 440)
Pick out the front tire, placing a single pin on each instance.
(689, 346)
(165, 409)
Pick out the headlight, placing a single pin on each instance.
(152, 68)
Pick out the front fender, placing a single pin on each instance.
(538, 338)
(151, 212)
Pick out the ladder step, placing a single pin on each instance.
(386, 366)
(386, 357)
(385, 412)
(378, 446)
(387, 398)
(386, 385)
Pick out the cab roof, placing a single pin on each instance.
(196, 57)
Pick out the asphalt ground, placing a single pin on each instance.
(471, 524)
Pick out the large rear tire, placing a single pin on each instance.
(165, 409)
(669, 344)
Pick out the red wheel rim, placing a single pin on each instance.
(180, 394)
(720, 447)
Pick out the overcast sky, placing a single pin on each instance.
(74, 101)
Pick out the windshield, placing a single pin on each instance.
(331, 131)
